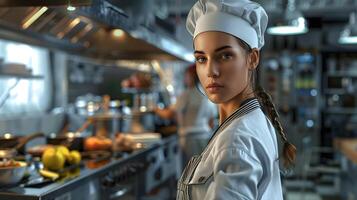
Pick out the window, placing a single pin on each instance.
(26, 95)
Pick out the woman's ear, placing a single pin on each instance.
(254, 57)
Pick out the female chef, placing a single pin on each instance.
(241, 161)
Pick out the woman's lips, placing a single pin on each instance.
(214, 87)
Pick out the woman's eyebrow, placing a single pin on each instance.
(199, 52)
(216, 50)
(222, 48)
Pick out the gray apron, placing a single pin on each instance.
(183, 186)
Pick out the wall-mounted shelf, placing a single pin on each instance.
(349, 111)
(338, 91)
(20, 76)
(343, 73)
(137, 91)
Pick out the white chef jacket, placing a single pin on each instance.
(240, 162)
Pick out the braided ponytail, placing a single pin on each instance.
(289, 150)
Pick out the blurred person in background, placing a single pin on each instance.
(195, 116)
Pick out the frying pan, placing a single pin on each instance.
(8, 140)
(11, 152)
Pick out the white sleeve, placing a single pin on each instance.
(236, 175)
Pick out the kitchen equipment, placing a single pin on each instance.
(123, 123)
(8, 140)
(11, 152)
(146, 139)
(13, 174)
(108, 122)
(37, 151)
(88, 104)
(72, 140)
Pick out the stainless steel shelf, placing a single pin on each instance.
(348, 111)
(136, 91)
(342, 73)
(21, 76)
(337, 91)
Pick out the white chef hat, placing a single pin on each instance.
(241, 18)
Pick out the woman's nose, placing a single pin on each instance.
(212, 69)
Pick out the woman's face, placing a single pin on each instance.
(222, 66)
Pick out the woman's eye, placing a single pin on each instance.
(200, 59)
(226, 56)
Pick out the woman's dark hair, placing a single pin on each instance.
(289, 150)
(192, 71)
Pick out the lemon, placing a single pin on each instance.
(75, 157)
(53, 159)
(64, 150)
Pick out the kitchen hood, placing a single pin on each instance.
(22, 3)
(96, 29)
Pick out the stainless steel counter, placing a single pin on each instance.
(143, 170)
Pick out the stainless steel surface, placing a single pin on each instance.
(129, 172)
(22, 3)
(87, 31)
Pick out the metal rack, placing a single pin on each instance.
(339, 87)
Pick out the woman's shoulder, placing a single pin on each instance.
(249, 132)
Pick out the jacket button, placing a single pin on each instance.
(201, 179)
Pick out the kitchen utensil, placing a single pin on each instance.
(12, 175)
(72, 140)
(8, 140)
(8, 153)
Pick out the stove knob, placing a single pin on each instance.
(108, 181)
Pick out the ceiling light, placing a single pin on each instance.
(34, 17)
(70, 7)
(292, 23)
(349, 33)
(118, 32)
